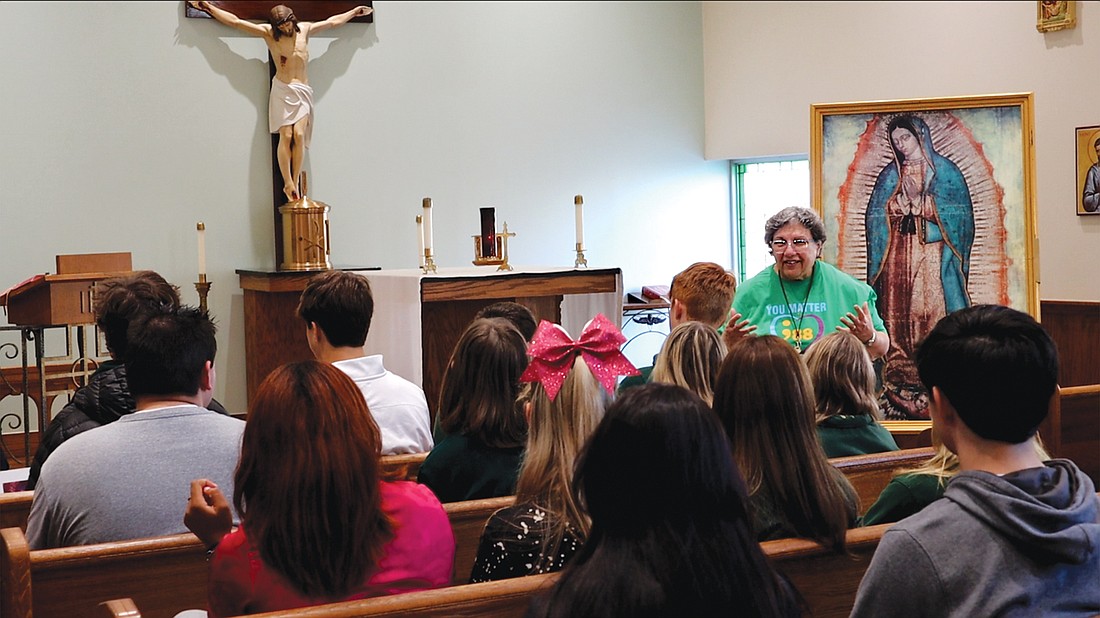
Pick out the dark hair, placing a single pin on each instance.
(997, 366)
(706, 290)
(168, 350)
(340, 303)
(280, 14)
(765, 402)
(307, 483)
(481, 384)
(808, 218)
(519, 315)
(121, 300)
(670, 530)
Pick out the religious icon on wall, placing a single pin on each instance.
(1055, 15)
(928, 202)
(1088, 170)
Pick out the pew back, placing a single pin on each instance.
(869, 474)
(467, 522)
(163, 575)
(407, 464)
(15, 508)
(826, 580)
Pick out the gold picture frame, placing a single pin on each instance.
(1052, 15)
(1088, 170)
(942, 221)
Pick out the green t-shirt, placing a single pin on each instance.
(810, 308)
(903, 496)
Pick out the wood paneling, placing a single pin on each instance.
(1075, 328)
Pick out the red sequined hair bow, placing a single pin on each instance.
(552, 352)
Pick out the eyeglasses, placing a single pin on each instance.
(798, 243)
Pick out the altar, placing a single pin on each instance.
(418, 318)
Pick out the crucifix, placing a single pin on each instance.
(290, 109)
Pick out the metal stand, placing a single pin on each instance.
(202, 286)
(581, 262)
(429, 262)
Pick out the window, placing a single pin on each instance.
(761, 189)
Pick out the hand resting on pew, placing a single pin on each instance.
(208, 514)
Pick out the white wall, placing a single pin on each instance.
(767, 62)
(125, 123)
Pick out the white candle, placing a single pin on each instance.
(420, 238)
(578, 202)
(427, 225)
(201, 227)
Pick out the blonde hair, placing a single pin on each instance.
(843, 377)
(557, 431)
(944, 464)
(691, 357)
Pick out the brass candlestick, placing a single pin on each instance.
(429, 262)
(581, 262)
(202, 286)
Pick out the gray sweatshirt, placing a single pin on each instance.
(1022, 544)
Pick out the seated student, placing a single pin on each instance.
(123, 480)
(702, 292)
(106, 397)
(912, 490)
(844, 388)
(337, 307)
(1012, 535)
(670, 524)
(691, 357)
(318, 523)
(765, 402)
(517, 314)
(484, 426)
(546, 526)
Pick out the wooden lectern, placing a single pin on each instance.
(65, 298)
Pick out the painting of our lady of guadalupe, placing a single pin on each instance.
(929, 206)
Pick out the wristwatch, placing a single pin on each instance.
(870, 342)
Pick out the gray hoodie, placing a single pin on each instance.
(1022, 544)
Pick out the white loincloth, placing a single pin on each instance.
(290, 103)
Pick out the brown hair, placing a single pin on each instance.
(307, 483)
(706, 290)
(843, 376)
(341, 304)
(481, 385)
(281, 14)
(765, 402)
(123, 300)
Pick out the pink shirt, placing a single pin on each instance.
(420, 556)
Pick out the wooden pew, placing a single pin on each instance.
(15, 508)
(162, 575)
(410, 463)
(869, 474)
(827, 581)
(467, 521)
